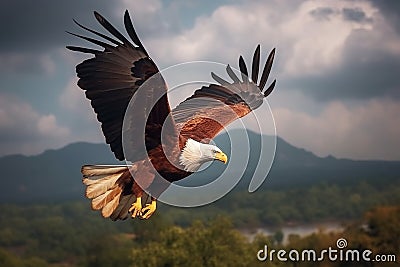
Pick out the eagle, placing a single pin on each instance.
(116, 73)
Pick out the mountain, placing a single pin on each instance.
(55, 174)
(52, 175)
(297, 167)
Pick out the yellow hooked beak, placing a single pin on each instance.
(221, 156)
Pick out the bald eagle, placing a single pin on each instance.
(112, 77)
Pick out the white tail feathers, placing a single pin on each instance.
(97, 187)
(102, 186)
(96, 170)
(107, 202)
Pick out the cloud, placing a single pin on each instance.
(366, 131)
(40, 25)
(32, 36)
(47, 126)
(390, 9)
(147, 12)
(24, 63)
(330, 50)
(322, 13)
(218, 35)
(359, 65)
(34, 29)
(73, 100)
(24, 130)
(79, 114)
(355, 14)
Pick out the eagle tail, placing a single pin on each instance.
(103, 187)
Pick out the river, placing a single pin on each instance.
(300, 230)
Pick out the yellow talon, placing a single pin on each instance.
(136, 207)
(149, 210)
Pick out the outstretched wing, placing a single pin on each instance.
(204, 114)
(112, 77)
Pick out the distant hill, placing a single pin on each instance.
(55, 174)
(297, 167)
(52, 175)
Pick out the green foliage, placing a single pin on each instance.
(378, 230)
(109, 250)
(318, 203)
(70, 234)
(278, 237)
(215, 243)
(59, 233)
(8, 259)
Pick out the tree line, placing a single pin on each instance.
(69, 234)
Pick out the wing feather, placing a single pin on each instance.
(232, 74)
(83, 49)
(110, 28)
(267, 69)
(256, 65)
(243, 69)
(131, 31)
(110, 80)
(98, 33)
(94, 41)
(270, 88)
(218, 79)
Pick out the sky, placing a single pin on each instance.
(337, 66)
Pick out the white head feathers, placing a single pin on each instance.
(194, 154)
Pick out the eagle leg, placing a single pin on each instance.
(136, 207)
(149, 209)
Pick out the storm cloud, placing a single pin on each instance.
(40, 25)
(363, 66)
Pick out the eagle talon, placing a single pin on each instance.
(136, 208)
(148, 210)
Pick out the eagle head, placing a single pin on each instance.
(194, 154)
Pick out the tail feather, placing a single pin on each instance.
(111, 205)
(98, 187)
(101, 201)
(96, 170)
(122, 210)
(102, 186)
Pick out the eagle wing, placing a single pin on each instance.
(211, 108)
(110, 80)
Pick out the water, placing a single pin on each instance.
(300, 230)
